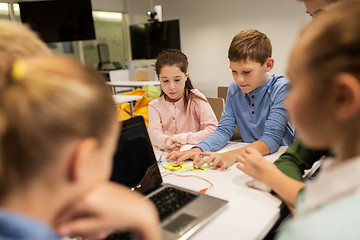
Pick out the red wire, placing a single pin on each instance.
(200, 191)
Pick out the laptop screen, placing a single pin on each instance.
(134, 163)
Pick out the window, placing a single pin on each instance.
(110, 29)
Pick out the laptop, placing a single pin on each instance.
(181, 211)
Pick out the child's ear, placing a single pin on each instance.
(79, 161)
(187, 74)
(269, 64)
(346, 96)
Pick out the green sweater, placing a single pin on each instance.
(298, 158)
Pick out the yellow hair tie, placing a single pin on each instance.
(19, 70)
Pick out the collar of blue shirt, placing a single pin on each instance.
(17, 226)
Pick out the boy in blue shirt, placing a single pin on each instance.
(254, 103)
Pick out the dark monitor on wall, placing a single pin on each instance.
(149, 39)
(59, 20)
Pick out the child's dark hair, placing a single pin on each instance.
(175, 57)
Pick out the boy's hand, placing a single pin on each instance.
(255, 165)
(171, 144)
(110, 207)
(180, 156)
(217, 160)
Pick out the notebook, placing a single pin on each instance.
(182, 212)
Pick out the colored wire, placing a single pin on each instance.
(160, 162)
(204, 179)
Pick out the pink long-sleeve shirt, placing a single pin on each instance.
(189, 126)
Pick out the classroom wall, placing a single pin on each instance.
(207, 27)
(108, 5)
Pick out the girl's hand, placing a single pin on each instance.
(107, 208)
(180, 156)
(255, 165)
(171, 144)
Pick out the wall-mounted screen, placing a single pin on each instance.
(59, 20)
(149, 39)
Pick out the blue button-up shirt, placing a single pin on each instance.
(16, 226)
(259, 115)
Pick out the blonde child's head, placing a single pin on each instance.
(50, 106)
(17, 41)
(324, 69)
(332, 45)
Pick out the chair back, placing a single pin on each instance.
(104, 54)
(217, 105)
(141, 76)
(222, 92)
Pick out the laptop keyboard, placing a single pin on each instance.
(170, 199)
(167, 201)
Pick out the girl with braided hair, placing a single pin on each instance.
(181, 115)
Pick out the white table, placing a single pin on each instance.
(118, 99)
(131, 84)
(250, 214)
